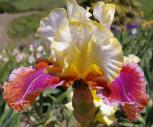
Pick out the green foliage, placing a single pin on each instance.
(26, 5)
(12, 6)
(147, 7)
(50, 109)
(8, 0)
(25, 25)
(10, 119)
(7, 7)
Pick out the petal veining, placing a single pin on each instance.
(129, 89)
(25, 84)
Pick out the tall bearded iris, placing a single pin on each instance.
(86, 55)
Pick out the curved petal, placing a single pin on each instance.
(104, 13)
(129, 89)
(93, 48)
(106, 113)
(71, 57)
(25, 84)
(107, 51)
(76, 12)
(79, 47)
(56, 23)
(131, 58)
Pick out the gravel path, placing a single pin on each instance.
(5, 19)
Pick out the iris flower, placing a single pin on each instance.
(86, 55)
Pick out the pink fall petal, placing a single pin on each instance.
(129, 89)
(25, 84)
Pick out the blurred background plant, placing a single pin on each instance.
(133, 26)
(128, 12)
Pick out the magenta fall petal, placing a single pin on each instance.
(129, 89)
(25, 84)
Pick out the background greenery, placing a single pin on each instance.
(49, 110)
(26, 5)
(147, 6)
(30, 5)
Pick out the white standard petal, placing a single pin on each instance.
(110, 58)
(75, 54)
(104, 13)
(131, 58)
(56, 23)
(92, 45)
(106, 52)
(76, 12)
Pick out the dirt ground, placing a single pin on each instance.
(5, 19)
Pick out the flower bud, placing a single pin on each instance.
(84, 109)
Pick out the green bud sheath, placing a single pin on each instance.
(84, 109)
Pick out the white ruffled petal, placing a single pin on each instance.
(131, 58)
(81, 46)
(56, 23)
(107, 52)
(104, 13)
(76, 12)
